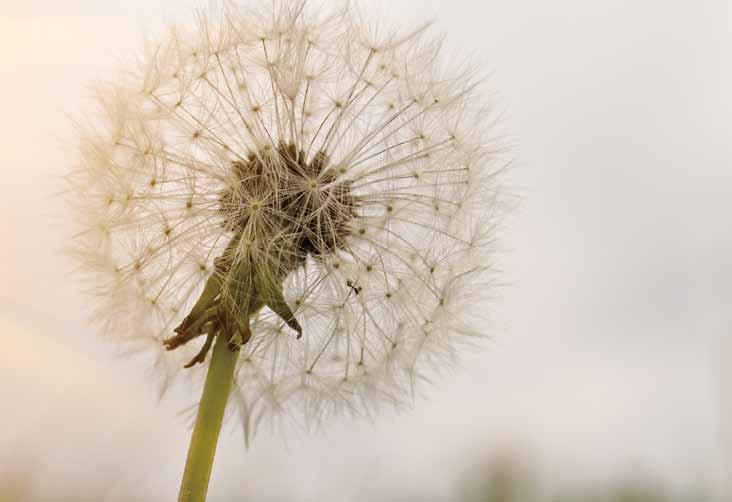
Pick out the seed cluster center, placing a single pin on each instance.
(276, 194)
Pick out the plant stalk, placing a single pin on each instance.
(199, 462)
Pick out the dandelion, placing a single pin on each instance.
(302, 198)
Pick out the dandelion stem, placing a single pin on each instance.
(208, 422)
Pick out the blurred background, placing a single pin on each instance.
(608, 375)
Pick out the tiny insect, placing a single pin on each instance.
(354, 289)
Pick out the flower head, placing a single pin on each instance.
(318, 190)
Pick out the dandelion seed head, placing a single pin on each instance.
(332, 182)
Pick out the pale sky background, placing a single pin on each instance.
(612, 352)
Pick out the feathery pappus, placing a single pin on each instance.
(322, 190)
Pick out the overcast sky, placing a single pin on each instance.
(611, 335)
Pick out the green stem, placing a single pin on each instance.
(208, 422)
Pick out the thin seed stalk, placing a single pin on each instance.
(199, 462)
